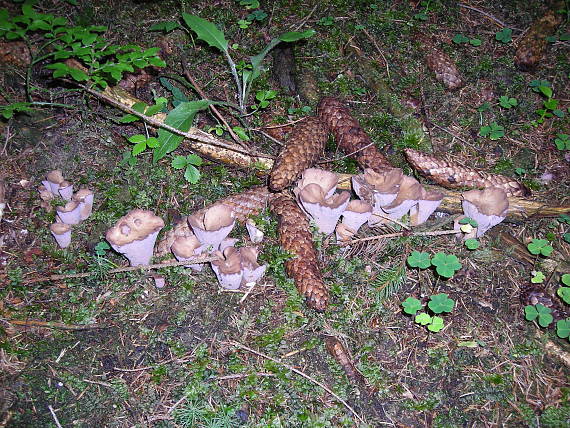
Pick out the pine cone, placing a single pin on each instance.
(304, 147)
(444, 68)
(349, 135)
(449, 174)
(244, 204)
(533, 44)
(295, 237)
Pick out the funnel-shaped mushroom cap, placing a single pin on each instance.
(228, 269)
(62, 234)
(252, 271)
(255, 234)
(344, 233)
(410, 191)
(65, 190)
(85, 199)
(325, 212)
(356, 214)
(212, 225)
(53, 180)
(70, 213)
(227, 242)
(427, 203)
(488, 207)
(185, 248)
(325, 179)
(379, 189)
(134, 236)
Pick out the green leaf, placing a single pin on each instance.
(472, 243)
(206, 31)
(506, 102)
(423, 319)
(241, 133)
(436, 324)
(135, 139)
(564, 293)
(475, 42)
(78, 75)
(420, 260)
(546, 90)
(179, 162)
(167, 26)
(139, 148)
(293, 36)
(439, 303)
(563, 328)
(152, 142)
(194, 160)
(192, 175)
(411, 305)
(180, 118)
(446, 264)
(530, 313)
(539, 311)
(504, 36)
(128, 118)
(565, 278)
(460, 38)
(540, 246)
(468, 220)
(537, 277)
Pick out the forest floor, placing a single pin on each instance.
(113, 350)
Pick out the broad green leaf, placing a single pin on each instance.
(128, 118)
(411, 305)
(420, 260)
(152, 142)
(241, 133)
(436, 324)
(179, 162)
(139, 107)
(192, 175)
(439, 303)
(139, 148)
(423, 319)
(165, 26)
(194, 160)
(77, 74)
(293, 36)
(180, 118)
(135, 139)
(206, 31)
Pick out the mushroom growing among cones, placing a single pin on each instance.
(85, 199)
(228, 269)
(324, 211)
(325, 179)
(379, 189)
(488, 207)
(427, 203)
(212, 225)
(65, 190)
(62, 234)
(53, 181)
(187, 248)
(408, 196)
(70, 213)
(252, 270)
(356, 214)
(134, 236)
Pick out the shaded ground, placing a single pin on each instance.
(128, 354)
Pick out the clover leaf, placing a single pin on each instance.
(538, 311)
(566, 279)
(471, 244)
(411, 305)
(562, 142)
(417, 259)
(190, 162)
(446, 264)
(423, 319)
(504, 36)
(460, 38)
(439, 303)
(436, 324)
(537, 277)
(564, 293)
(540, 246)
(563, 328)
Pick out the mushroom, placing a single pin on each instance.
(408, 196)
(380, 189)
(325, 211)
(212, 225)
(252, 271)
(228, 242)
(344, 233)
(85, 199)
(356, 214)
(62, 234)
(53, 181)
(228, 269)
(255, 234)
(488, 207)
(134, 235)
(187, 248)
(325, 179)
(428, 202)
(65, 190)
(70, 213)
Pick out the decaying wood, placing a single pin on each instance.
(209, 146)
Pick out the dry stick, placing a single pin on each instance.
(59, 325)
(212, 107)
(299, 372)
(373, 40)
(482, 12)
(398, 234)
(123, 269)
(54, 417)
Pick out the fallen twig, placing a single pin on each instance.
(397, 235)
(300, 373)
(58, 325)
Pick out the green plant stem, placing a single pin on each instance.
(233, 69)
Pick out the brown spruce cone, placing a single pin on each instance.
(337, 350)
(295, 236)
(349, 135)
(444, 68)
(533, 45)
(304, 147)
(449, 174)
(244, 204)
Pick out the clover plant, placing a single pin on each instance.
(504, 36)
(539, 312)
(540, 246)
(438, 303)
(189, 164)
(445, 264)
(492, 131)
(562, 141)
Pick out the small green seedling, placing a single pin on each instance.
(537, 277)
(540, 246)
(190, 162)
(326, 21)
(257, 15)
(520, 171)
(507, 102)
(141, 142)
(263, 97)
(472, 243)
(244, 23)
(543, 87)
(484, 107)
(492, 131)
(460, 39)
(423, 319)
(467, 224)
(101, 249)
(505, 35)
(419, 260)
(446, 264)
(437, 304)
(564, 291)
(562, 141)
(422, 16)
(411, 305)
(540, 313)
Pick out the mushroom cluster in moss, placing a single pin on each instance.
(238, 267)
(212, 225)
(488, 207)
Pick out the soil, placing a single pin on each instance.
(113, 350)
